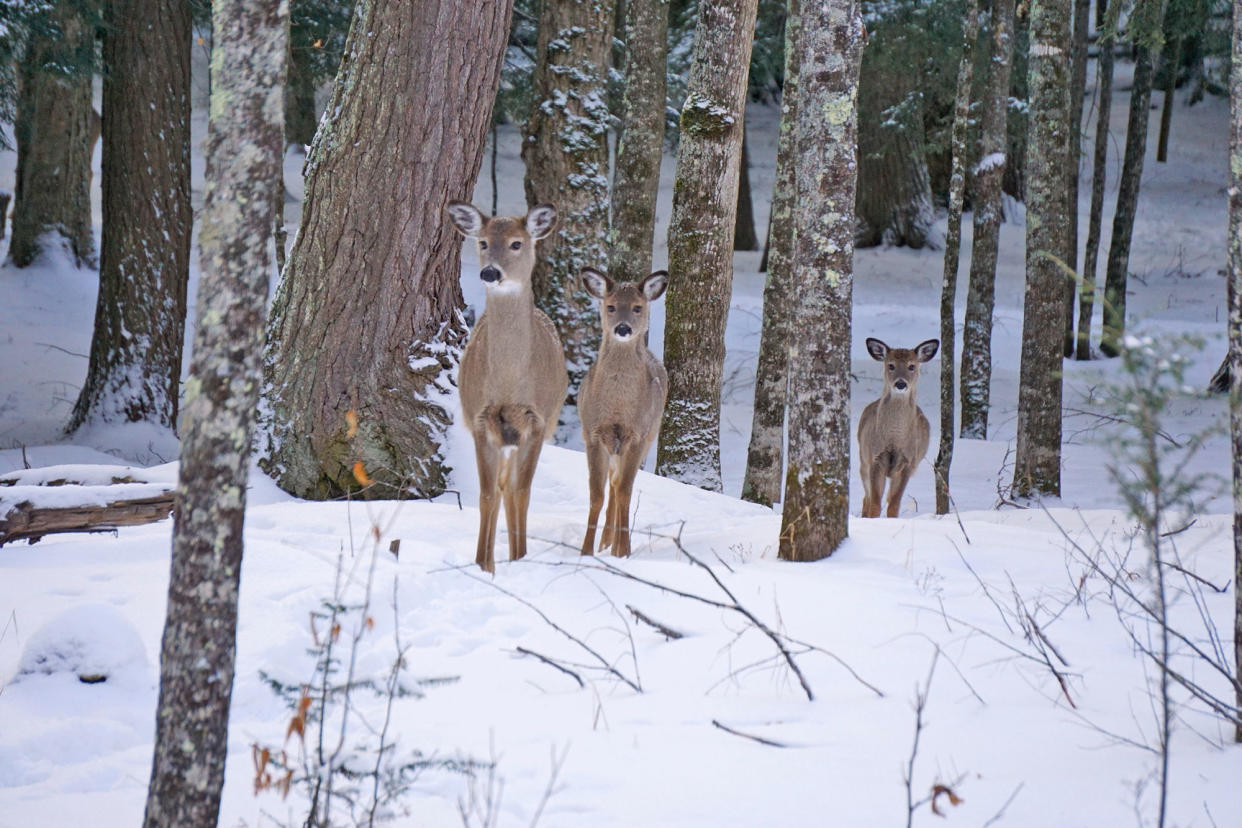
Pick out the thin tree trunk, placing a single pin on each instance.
(976, 379)
(815, 512)
(1037, 463)
(134, 371)
(640, 140)
(700, 241)
(244, 145)
(767, 431)
(894, 187)
(301, 116)
(367, 317)
(1235, 332)
(53, 175)
(1099, 175)
(744, 227)
(1166, 105)
(1077, 91)
(952, 256)
(566, 155)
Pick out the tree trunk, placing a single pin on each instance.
(815, 513)
(1166, 105)
(1037, 464)
(1117, 269)
(1099, 174)
(767, 431)
(744, 227)
(244, 145)
(52, 192)
(367, 317)
(976, 379)
(566, 153)
(1077, 91)
(1235, 331)
(301, 116)
(952, 255)
(640, 141)
(700, 241)
(134, 372)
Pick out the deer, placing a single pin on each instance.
(893, 432)
(621, 403)
(512, 376)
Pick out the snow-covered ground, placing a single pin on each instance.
(997, 727)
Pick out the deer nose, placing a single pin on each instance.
(900, 385)
(489, 274)
(623, 330)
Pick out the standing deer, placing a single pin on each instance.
(512, 376)
(892, 432)
(621, 402)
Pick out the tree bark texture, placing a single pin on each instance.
(566, 153)
(952, 256)
(1037, 463)
(976, 382)
(640, 140)
(1118, 266)
(52, 192)
(765, 455)
(744, 237)
(1078, 86)
(367, 317)
(815, 512)
(244, 145)
(134, 371)
(700, 241)
(1234, 267)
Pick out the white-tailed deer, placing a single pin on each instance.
(512, 376)
(621, 403)
(892, 432)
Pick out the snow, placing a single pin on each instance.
(900, 593)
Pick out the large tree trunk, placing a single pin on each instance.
(700, 241)
(134, 371)
(1077, 91)
(767, 431)
(52, 193)
(200, 632)
(744, 225)
(952, 256)
(815, 512)
(640, 140)
(976, 379)
(566, 153)
(1037, 463)
(1235, 332)
(366, 318)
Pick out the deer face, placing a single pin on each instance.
(506, 243)
(902, 365)
(624, 307)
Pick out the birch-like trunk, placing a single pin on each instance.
(1078, 86)
(566, 153)
(244, 145)
(815, 512)
(367, 316)
(976, 379)
(1234, 267)
(1037, 463)
(134, 371)
(764, 457)
(700, 241)
(640, 140)
(952, 256)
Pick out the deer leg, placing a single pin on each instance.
(901, 476)
(874, 483)
(488, 461)
(597, 478)
(526, 459)
(623, 488)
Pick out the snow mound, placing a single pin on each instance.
(94, 642)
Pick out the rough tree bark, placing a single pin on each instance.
(244, 145)
(1077, 91)
(566, 153)
(367, 314)
(976, 381)
(764, 457)
(1235, 330)
(640, 140)
(815, 513)
(1037, 463)
(700, 241)
(52, 182)
(744, 225)
(134, 371)
(952, 255)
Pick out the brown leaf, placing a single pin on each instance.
(370, 622)
(937, 791)
(351, 416)
(360, 474)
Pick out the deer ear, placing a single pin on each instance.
(653, 286)
(541, 221)
(877, 349)
(466, 218)
(927, 350)
(596, 283)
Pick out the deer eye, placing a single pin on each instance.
(517, 245)
(482, 245)
(612, 308)
(892, 367)
(910, 367)
(638, 309)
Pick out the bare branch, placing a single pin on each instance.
(760, 739)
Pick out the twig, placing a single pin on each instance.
(665, 630)
(1199, 578)
(1179, 530)
(552, 663)
(996, 816)
(920, 702)
(760, 739)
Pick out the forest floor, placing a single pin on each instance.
(1038, 702)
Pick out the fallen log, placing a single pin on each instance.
(30, 522)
